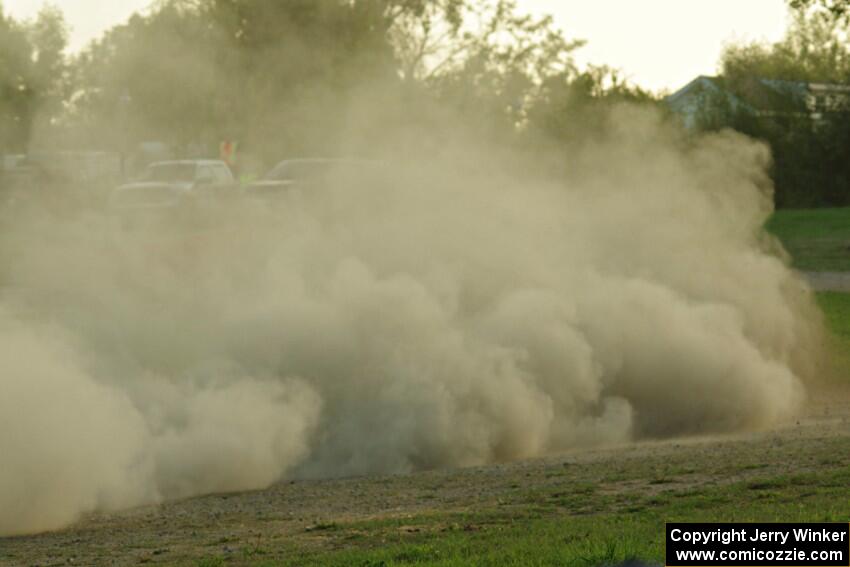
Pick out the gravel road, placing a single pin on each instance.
(288, 513)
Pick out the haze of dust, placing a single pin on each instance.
(452, 316)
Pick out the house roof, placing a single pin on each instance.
(758, 94)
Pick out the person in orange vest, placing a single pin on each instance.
(227, 154)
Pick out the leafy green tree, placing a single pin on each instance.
(575, 109)
(814, 49)
(482, 59)
(331, 77)
(15, 91)
(298, 65)
(49, 69)
(149, 78)
(837, 9)
(32, 75)
(808, 137)
(271, 74)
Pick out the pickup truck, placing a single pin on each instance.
(170, 186)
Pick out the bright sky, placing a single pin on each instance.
(659, 44)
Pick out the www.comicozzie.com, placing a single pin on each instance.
(805, 545)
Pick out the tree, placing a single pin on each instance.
(50, 80)
(444, 36)
(575, 109)
(837, 9)
(814, 49)
(482, 59)
(271, 74)
(330, 77)
(808, 139)
(32, 75)
(15, 91)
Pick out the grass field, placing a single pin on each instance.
(818, 239)
(836, 309)
(572, 524)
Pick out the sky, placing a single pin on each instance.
(658, 44)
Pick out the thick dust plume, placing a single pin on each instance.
(459, 311)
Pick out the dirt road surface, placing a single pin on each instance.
(293, 512)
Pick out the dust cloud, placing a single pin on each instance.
(462, 310)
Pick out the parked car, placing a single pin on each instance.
(307, 173)
(168, 187)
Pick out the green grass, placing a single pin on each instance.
(817, 239)
(528, 534)
(836, 310)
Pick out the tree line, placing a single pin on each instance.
(296, 77)
(33, 74)
(301, 77)
(810, 147)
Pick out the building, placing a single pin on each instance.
(709, 99)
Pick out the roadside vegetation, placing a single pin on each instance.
(836, 308)
(817, 239)
(808, 140)
(565, 521)
(281, 78)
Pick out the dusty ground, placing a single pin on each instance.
(294, 513)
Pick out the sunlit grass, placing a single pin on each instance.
(817, 239)
(526, 534)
